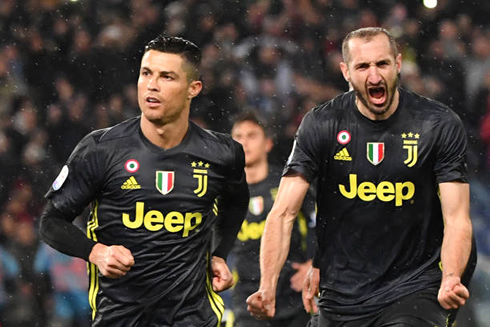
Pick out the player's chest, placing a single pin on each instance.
(401, 150)
(151, 176)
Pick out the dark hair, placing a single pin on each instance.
(366, 33)
(253, 117)
(177, 45)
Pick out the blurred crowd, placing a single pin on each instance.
(69, 67)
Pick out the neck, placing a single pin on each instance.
(257, 172)
(166, 136)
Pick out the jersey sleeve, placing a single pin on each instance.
(79, 179)
(232, 204)
(306, 146)
(451, 150)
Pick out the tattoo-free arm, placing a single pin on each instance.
(456, 245)
(275, 243)
(232, 208)
(57, 230)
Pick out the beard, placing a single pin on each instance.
(377, 110)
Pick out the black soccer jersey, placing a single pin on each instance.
(379, 220)
(247, 247)
(161, 205)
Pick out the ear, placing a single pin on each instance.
(268, 144)
(398, 62)
(194, 89)
(345, 71)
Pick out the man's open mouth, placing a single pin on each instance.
(152, 100)
(377, 94)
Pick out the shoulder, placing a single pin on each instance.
(107, 138)
(217, 147)
(212, 139)
(125, 129)
(333, 109)
(427, 107)
(110, 136)
(327, 116)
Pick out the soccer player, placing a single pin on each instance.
(160, 189)
(263, 181)
(393, 227)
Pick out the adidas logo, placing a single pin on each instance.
(343, 155)
(131, 184)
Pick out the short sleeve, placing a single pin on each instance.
(304, 157)
(76, 185)
(451, 150)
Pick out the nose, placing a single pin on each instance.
(152, 84)
(374, 77)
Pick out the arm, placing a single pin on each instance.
(311, 285)
(57, 230)
(456, 244)
(309, 215)
(275, 243)
(232, 208)
(230, 219)
(311, 289)
(222, 276)
(298, 279)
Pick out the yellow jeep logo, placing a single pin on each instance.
(154, 220)
(384, 191)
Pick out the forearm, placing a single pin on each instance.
(229, 223)
(59, 233)
(232, 211)
(275, 242)
(456, 247)
(274, 248)
(458, 232)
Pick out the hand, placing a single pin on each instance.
(452, 293)
(261, 305)
(222, 277)
(113, 261)
(298, 278)
(311, 289)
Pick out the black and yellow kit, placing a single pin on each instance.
(379, 219)
(246, 250)
(164, 206)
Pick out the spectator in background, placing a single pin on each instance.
(477, 64)
(482, 105)
(9, 270)
(68, 280)
(27, 301)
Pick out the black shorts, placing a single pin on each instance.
(420, 309)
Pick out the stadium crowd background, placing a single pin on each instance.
(68, 67)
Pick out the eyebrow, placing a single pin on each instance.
(162, 73)
(381, 61)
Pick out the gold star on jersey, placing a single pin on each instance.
(410, 143)
(201, 174)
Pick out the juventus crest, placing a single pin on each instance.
(201, 174)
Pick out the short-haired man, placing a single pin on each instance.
(160, 187)
(393, 227)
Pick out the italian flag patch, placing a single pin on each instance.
(375, 152)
